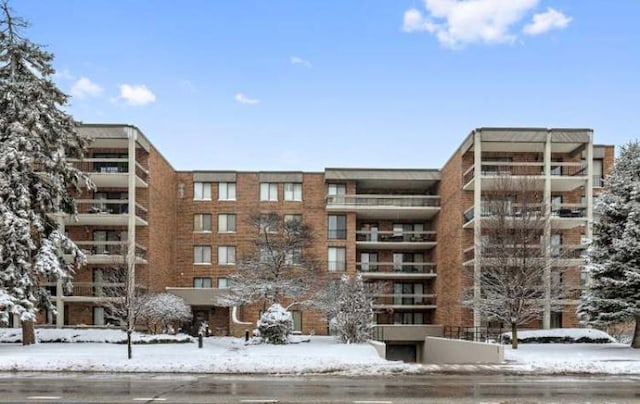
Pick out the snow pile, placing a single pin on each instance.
(561, 336)
(110, 336)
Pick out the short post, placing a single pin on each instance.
(246, 335)
(200, 339)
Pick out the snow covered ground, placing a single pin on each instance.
(319, 355)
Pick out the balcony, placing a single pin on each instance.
(562, 255)
(568, 215)
(106, 212)
(89, 291)
(404, 301)
(108, 252)
(395, 240)
(565, 176)
(397, 270)
(397, 207)
(563, 215)
(112, 172)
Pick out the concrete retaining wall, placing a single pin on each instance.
(380, 347)
(442, 350)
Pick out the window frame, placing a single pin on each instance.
(226, 249)
(295, 191)
(226, 186)
(337, 233)
(203, 186)
(271, 189)
(227, 216)
(334, 264)
(201, 280)
(201, 223)
(202, 248)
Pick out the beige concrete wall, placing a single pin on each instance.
(407, 332)
(380, 347)
(442, 350)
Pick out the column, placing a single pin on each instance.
(546, 314)
(477, 225)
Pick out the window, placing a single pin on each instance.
(201, 282)
(292, 218)
(226, 191)
(268, 223)
(98, 315)
(414, 290)
(202, 254)
(293, 257)
(296, 316)
(598, 174)
(201, 222)
(202, 191)
(337, 226)
(226, 255)
(223, 283)
(292, 191)
(408, 318)
(336, 259)
(108, 241)
(336, 189)
(369, 262)
(268, 191)
(226, 223)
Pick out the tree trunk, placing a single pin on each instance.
(28, 333)
(129, 351)
(514, 336)
(635, 341)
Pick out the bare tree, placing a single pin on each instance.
(279, 266)
(517, 279)
(124, 308)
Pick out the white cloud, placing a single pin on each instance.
(243, 99)
(84, 88)
(296, 60)
(547, 21)
(136, 94)
(63, 74)
(459, 22)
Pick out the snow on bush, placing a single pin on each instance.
(275, 325)
(561, 336)
(166, 312)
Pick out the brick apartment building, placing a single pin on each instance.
(415, 229)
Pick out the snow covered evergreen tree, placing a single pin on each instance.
(275, 325)
(613, 291)
(353, 321)
(36, 139)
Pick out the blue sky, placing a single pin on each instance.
(304, 85)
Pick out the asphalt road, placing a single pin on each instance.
(156, 388)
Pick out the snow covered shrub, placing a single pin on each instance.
(165, 311)
(275, 325)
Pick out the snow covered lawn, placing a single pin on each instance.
(113, 336)
(219, 355)
(611, 358)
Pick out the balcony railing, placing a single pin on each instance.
(109, 207)
(525, 168)
(396, 236)
(399, 201)
(532, 251)
(109, 248)
(397, 267)
(104, 165)
(404, 300)
(569, 210)
(598, 181)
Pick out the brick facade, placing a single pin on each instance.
(169, 237)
